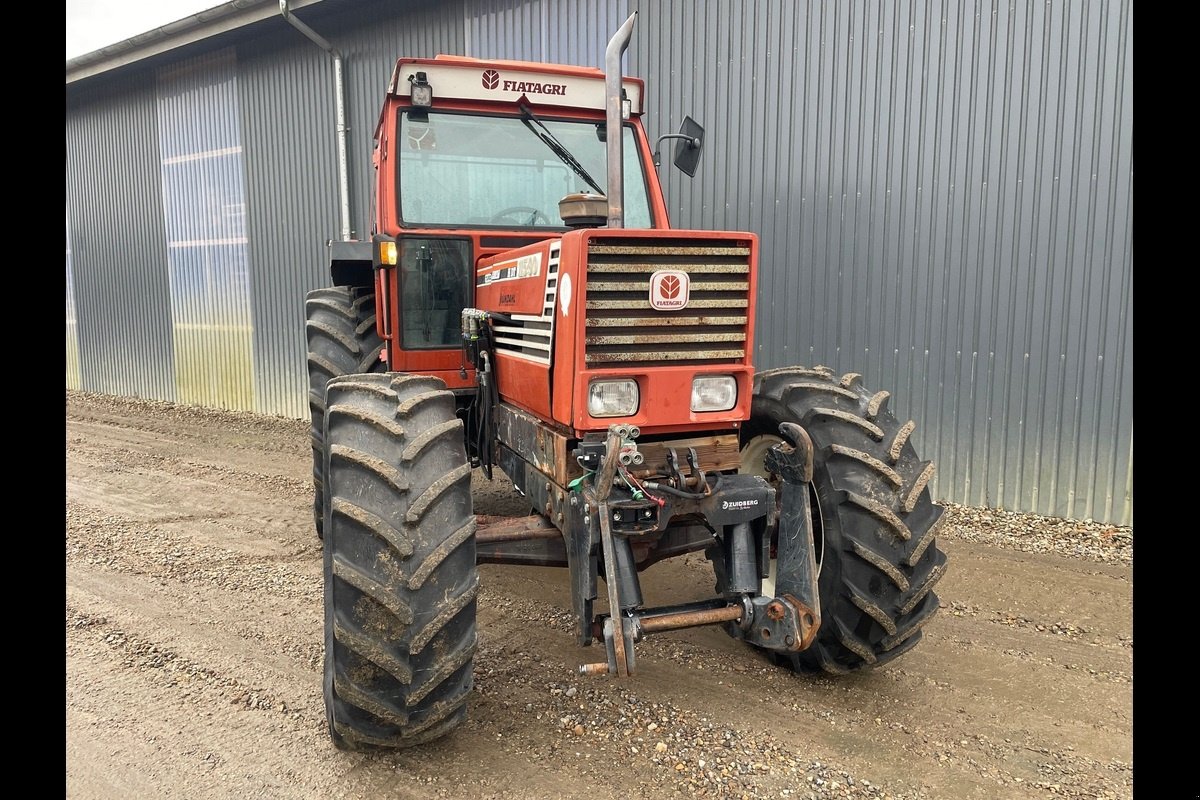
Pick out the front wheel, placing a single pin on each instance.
(342, 340)
(400, 574)
(874, 523)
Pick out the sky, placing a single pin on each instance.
(92, 24)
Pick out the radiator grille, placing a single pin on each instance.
(622, 329)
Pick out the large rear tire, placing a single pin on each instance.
(342, 340)
(400, 574)
(874, 522)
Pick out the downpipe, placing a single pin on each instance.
(340, 92)
(614, 116)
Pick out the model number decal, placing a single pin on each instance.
(524, 267)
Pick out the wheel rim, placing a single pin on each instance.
(753, 462)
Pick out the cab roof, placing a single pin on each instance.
(501, 81)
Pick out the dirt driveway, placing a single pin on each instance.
(194, 647)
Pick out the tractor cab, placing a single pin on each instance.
(478, 158)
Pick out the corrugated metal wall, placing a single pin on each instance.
(285, 93)
(118, 246)
(204, 208)
(286, 85)
(573, 32)
(943, 192)
(944, 196)
(74, 378)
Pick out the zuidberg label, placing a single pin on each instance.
(736, 504)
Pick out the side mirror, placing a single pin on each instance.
(687, 149)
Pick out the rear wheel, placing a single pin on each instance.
(400, 574)
(874, 523)
(342, 340)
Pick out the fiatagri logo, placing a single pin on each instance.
(669, 290)
(491, 80)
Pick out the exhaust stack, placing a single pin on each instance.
(613, 121)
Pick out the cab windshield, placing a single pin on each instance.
(463, 170)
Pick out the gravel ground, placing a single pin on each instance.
(1030, 533)
(194, 655)
(1034, 533)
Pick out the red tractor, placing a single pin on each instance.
(524, 304)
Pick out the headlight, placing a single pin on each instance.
(714, 393)
(610, 398)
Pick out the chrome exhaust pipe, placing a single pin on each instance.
(613, 121)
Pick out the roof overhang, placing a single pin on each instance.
(189, 30)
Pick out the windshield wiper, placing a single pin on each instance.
(556, 147)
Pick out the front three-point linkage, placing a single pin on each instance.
(740, 513)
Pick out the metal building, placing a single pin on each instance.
(943, 192)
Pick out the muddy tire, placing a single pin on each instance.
(400, 574)
(342, 340)
(874, 522)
